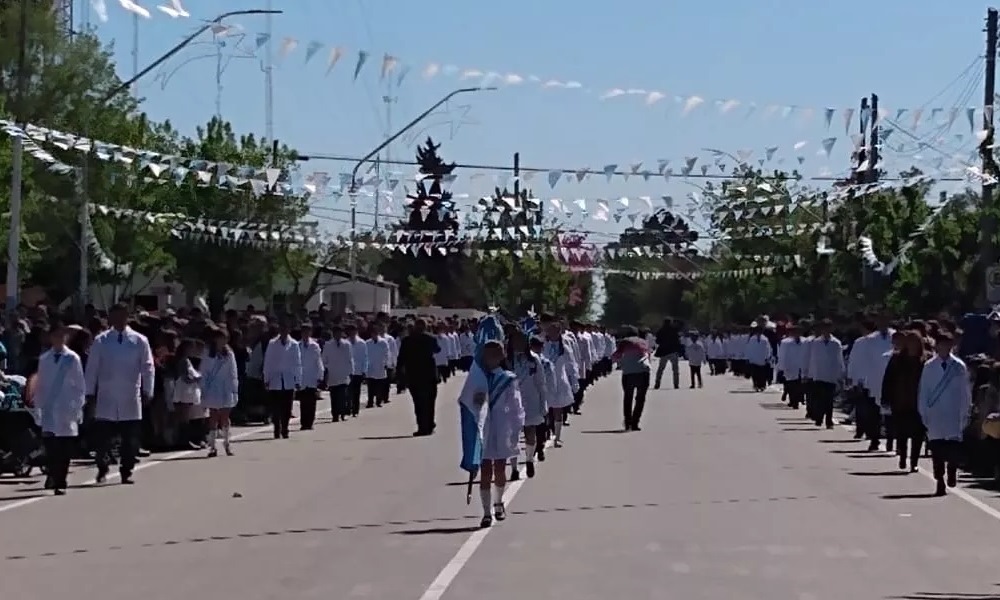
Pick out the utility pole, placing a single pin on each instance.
(269, 78)
(389, 99)
(13, 280)
(988, 221)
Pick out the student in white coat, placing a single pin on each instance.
(377, 370)
(59, 395)
(944, 399)
(220, 388)
(283, 377)
(757, 353)
(119, 378)
(359, 348)
(312, 376)
(338, 360)
(825, 371)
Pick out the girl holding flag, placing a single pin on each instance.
(491, 420)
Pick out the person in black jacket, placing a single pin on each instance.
(419, 372)
(668, 349)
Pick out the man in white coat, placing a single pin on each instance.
(119, 378)
(59, 393)
(944, 400)
(283, 377)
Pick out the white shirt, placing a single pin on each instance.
(696, 353)
(757, 350)
(360, 350)
(378, 358)
(338, 358)
(466, 344)
(59, 392)
(312, 363)
(283, 364)
(393, 350)
(792, 358)
(444, 344)
(120, 373)
(826, 360)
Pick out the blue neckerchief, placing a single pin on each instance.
(950, 372)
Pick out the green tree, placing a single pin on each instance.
(61, 85)
(218, 270)
(421, 290)
(429, 234)
(636, 301)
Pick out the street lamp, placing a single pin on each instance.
(352, 192)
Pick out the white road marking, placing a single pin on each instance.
(450, 571)
(146, 465)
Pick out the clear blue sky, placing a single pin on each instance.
(781, 52)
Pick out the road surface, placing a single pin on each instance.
(724, 494)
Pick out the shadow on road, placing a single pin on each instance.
(602, 431)
(387, 437)
(437, 531)
(945, 596)
(908, 496)
(878, 473)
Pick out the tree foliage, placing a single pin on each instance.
(790, 234)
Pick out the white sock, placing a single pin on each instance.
(486, 498)
(213, 434)
(529, 451)
(558, 427)
(498, 493)
(225, 436)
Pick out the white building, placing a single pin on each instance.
(334, 288)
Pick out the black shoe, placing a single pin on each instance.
(277, 435)
(59, 492)
(284, 435)
(541, 455)
(635, 427)
(102, 475)
(499, 512)
(530, 469)
(902, 462)
(941, 490)
(515, 475)
(486, 521)
(952, 478)
(127, 479)
(873, 447)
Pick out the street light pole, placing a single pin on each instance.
(84, 213)
(352, 192)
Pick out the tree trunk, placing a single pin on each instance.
(216, 303)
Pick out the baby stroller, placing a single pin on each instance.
(21, 448)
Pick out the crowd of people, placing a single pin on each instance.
(901, 383)
(129, 383)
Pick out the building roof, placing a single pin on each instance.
(358, 277)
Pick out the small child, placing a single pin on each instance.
(696, 354)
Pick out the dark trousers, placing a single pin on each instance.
(128, 432)
(796, 392)
(444, 372)
(822, 402)
(339, 403)
(869, 418)
(281, 410)
(58, 450)
(634, 386)
(354, 393)
(307, 398)
(909, 432)
(424, 394)
(378, 391)
(758, 374)
(695, 375)
(944, 457)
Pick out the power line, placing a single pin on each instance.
(510, 169)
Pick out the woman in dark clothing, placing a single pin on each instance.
(899, 390)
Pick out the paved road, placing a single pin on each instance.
(723, 495)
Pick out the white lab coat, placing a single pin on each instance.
(220, 381)
(793, 356)
(378, 358)
(283, 365)
(120, 374)
(944, 398)
(312, 363)
(60, 393)
(338, 358)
